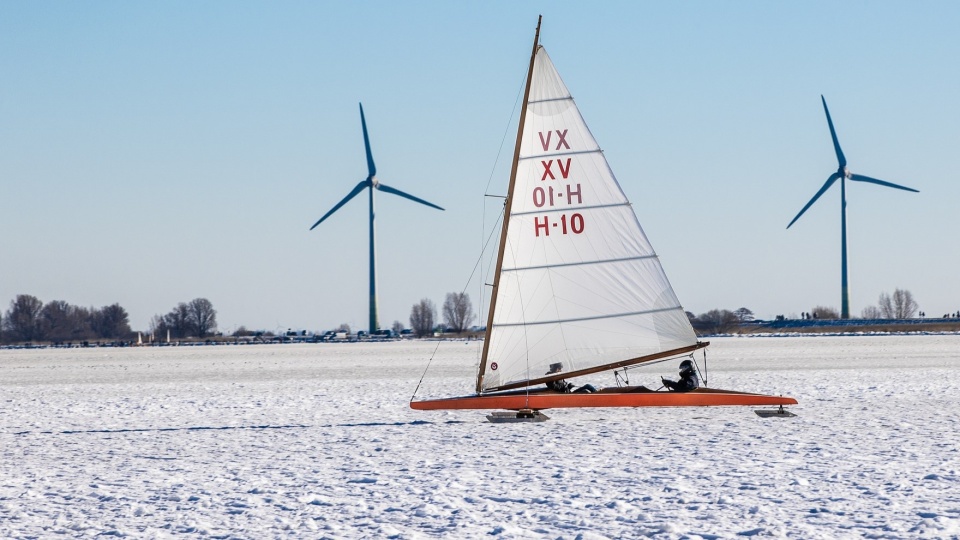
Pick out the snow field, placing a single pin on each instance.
(318, 441)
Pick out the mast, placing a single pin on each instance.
(374, 319)
(844, 290)
(508, 205)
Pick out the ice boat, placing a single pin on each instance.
(577, 283)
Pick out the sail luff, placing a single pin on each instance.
(507, 207)
(605, 367)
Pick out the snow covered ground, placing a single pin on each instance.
(317, 441)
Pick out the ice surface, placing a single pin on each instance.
(317, 441)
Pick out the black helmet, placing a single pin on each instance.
(686, 365)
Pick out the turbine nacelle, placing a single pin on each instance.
(842, 171)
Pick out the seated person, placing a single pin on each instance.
(564, 387)
(688, 378)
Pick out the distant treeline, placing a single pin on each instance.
(898, 307)
(30, 320)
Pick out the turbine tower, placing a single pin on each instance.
(843, 174)
(372, 184)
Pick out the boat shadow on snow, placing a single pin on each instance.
(224, 428)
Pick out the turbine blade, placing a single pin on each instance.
(861, 178)
(388, 189)
(833, 178)
(359, 187)
(833, 134)
(371, 168)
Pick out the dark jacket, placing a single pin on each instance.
(561, 386)
(688, 381)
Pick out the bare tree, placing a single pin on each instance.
(901, 306)
(23, 318)
(83, 321)
(421, 317)
(202, 317)
(905, 304)
(397, 327)
(457, 311)
(871, 312)
(718, 321)
(112, 322)
(744, 315)
(886, 306)
(56, 320)
(178, 321)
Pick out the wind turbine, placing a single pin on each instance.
(843, 174)
(373, 184)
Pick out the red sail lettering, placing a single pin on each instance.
(539, 196)
(562, 141)
(576, 223)
(545, 225)
(546, 170)
(545, 142)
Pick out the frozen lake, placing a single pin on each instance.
(318, 441)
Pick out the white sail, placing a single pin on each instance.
(580, 283)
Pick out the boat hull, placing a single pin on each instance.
(619, 397)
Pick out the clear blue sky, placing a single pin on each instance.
(155, 152)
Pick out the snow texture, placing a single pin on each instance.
(318, 441)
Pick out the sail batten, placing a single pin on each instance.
(568, 98)
(581, 319)
(555, 210)
(561, 154)
(580, 263)
(578, 283)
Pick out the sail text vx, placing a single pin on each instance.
(549, 195)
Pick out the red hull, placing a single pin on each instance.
(615, 397)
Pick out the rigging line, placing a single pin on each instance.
(704, 366)
(467, 284)
(482, 281)
(696, 365)
(506, 131)
(483, 219)
(660, 361)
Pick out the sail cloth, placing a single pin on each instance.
(580, 283)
